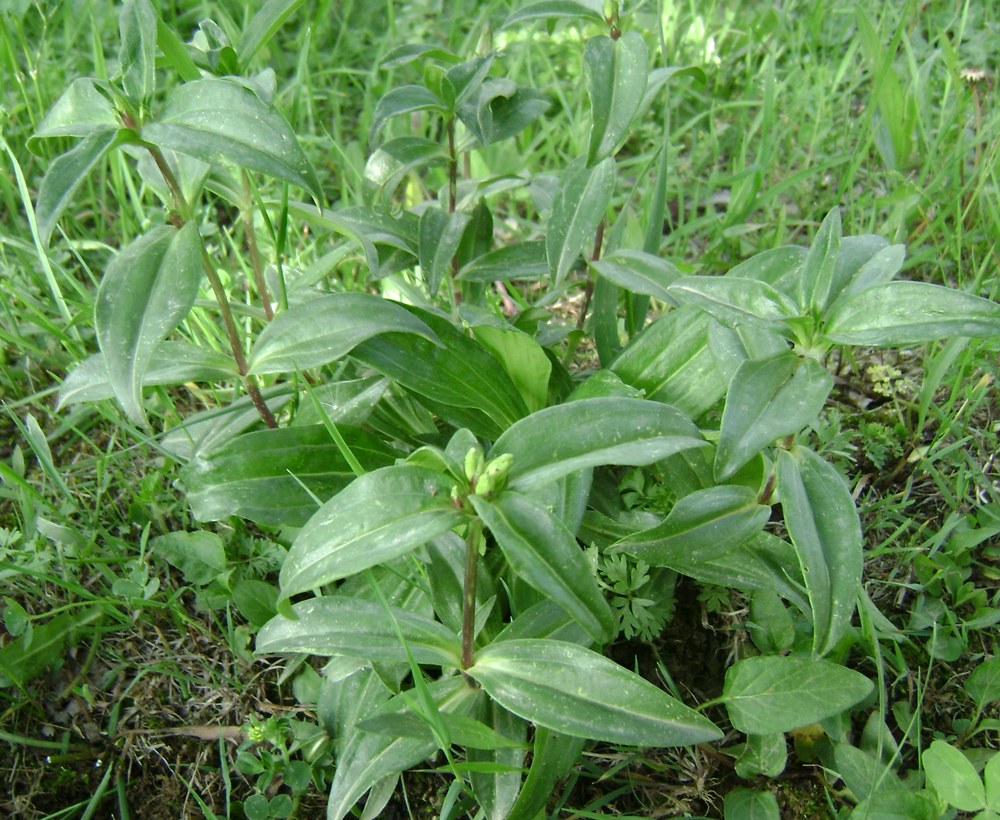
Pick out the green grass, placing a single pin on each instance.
(798, 114)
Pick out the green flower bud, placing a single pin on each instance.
(474, 463)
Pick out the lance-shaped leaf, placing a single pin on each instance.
(147, 290)
(438, 241)
(137, 52)
(171, 363)
(587, 433)
(578, 692)
(896, 314)
(380, 516)
(639, 272)
(777, 694)
(525, 260)
(673, 362)
(823, 525)
(578, 208)
(369, 757)
(877, 269)
(499, 110)
(396, 158)
(590, 10)
(83, 109)
(455, 373)
(523, 359)
(402, 100)
(339, 625)
(263, 26)
(616, 82)
(552, 756)
(274, 476)
(327, 328)
(544, 553)
(778, 267)
(222, 121)
(768, 399)
(65, 175)
(702, 525)
(734, 301)
(817, 275)
(496, 786)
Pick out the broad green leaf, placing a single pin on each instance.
(368, 757)
(583, 10)
(817, 274)
(327, 328)
(734, 301)
(823, 525)
(578, 692)
(541, 551)
(523, 359)
(545, 620)
(457, 373)
(552, 756)
(639, 272)
(861, 772)
(345, 402)
(778, 267)
(272, 476)
(983, 685)
(171, 363)
(403, 100)
(770, 626)
(137, 52)
(65, 175)
(380, 516)
(991, 778)
(256, 600)
(702, 525)
(896, 314)
(749, 804)
(263, 26)
(147, 290)
(579, 206)
(83, 109)
(763, 755)
(771, 694)
(568, 437)
(897, 804)
(881, 267)
(338, 625)
(672, 361)
(768, 399)
(221, 121)
(500, 110)
(952, 775)
(524, 261)
(497, 790)
(199, 555)
(367, 227)
(762, 562)
(616, 82)
(42, 646)
(394, 159)
(440, 235)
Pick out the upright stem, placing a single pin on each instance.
(234, 342)
(589, 290)
(251, 234)
(469, 592)
(452, 169)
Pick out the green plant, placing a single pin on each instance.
(433, 456)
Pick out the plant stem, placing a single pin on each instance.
(258, 270)
(589, 291)
(452, 168)
(472, 539)
(234, 341)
